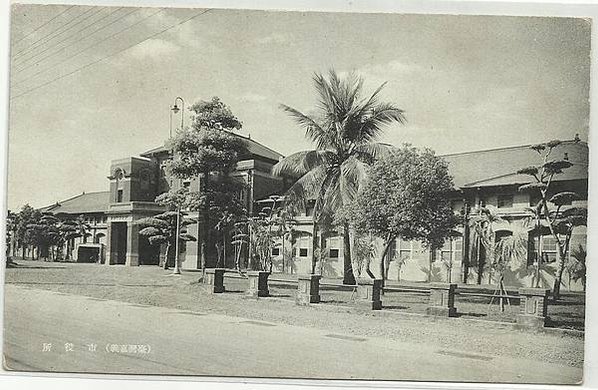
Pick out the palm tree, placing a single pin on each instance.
(344, 131)
(578, 268)
(482, 240)
(508, 250)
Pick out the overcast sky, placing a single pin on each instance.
(465, 82)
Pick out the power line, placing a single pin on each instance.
(28, 35)
(92, 45)
(110, 55)
(92, 14)
(37, 61)
(34, 46)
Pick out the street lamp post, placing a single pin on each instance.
(177, 266)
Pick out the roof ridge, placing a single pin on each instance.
(254, 141)
(569, 141)
(59, 202)
(94, 192)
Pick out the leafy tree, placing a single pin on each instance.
(560, 220)
(45, 234)
(364, 251)
(161, 229)
(405, 196)
(239, 240)
(344, 131)
(507, 251)
(207, 150)
(74, 228)
(482, 240)
(27, 216)
(577, 266)
(12, 227)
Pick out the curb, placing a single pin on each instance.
(495, 324)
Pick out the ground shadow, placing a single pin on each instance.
(396, 307)
(470, 314)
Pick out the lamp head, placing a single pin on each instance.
(175, 109)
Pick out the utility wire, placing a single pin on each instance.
(89, 46)
(36, 44)
(84, 36)
(110, 55)
(28, 35)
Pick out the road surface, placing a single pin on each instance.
(49, 331)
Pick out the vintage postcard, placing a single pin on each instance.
(214, 192)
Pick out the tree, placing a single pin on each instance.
(27, 216)
(363, 251)
(207, 150)
(559, 219)
(45, 234)
(162, 229)
(405, 195)
(284, 225)
(344, 131)
(507, 251)
(12, 227)
(73, 228)
(577, 266)
(482, 239)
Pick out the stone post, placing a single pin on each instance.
(368, 293)
(308, 289)
(109, 245)
(533, 307)
(442, 300)
(215, 279)
(132, 257)
(258, 284)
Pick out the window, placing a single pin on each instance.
(334, 253)
(404, 250)
(302, 252)
(505, 201)
(119, 196)
(275, 251)
(186, 183)
(549, 249)
(451, 250)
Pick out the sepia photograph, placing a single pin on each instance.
(243, 193)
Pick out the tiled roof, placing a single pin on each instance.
(499, 166)
(254, 147)
(91, 202)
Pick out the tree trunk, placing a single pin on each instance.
(480, 264)
(387, 244)
(166, 256)
(556, 293)
(202, 228)
(314, 247)
(348, 276)
(556, 289)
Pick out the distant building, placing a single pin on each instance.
(92, 208)
(482, 178)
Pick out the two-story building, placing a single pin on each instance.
(482, 178)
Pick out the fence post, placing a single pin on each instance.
(533, 307)
(368, 293)
(442, 300)
(308, 289)
(258, 284)
(215, 279)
